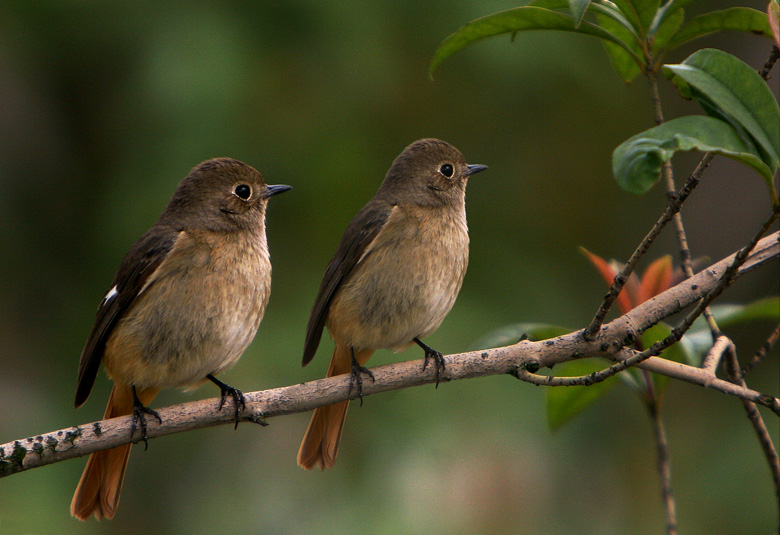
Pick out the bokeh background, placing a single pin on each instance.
(105, 106)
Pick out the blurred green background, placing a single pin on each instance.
(105, 106)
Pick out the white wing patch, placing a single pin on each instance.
(110, 296)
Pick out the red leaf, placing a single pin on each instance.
(773, 12)
(656, 279)
(608, 272)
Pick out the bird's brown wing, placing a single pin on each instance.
(139, 263)
(361, 231)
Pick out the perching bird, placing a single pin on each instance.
(186, 301)
(395, 276)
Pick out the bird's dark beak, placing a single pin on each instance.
(270, 191)
(475, 168)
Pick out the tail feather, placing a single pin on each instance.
(320, 444)
(100, 486)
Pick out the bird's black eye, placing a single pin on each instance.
(242, 191)
(447, 170)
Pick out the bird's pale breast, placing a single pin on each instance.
(406, 282)
(196, 315)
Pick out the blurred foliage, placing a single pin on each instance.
(104, 107)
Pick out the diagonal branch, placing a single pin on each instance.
(35, 451)
(762, 351)
(732, 367)
(673, 208)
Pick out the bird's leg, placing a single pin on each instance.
(355, 379)
(139, 418)
(430, 353)
(235, 393)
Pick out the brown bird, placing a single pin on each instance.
(395, 276)
(186, 301)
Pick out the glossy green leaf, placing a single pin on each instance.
(510, 22)
(511, 334)
(728, 88)
(646, 11)
(739, 19)
(640, 12)
(566, 402)
(637, 162)
(629, 13)
(666, 31)
(666, 11)
(578, 9)
(623, 62)
(550, 4)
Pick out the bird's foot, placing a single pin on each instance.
(438, 359)
(139, 417)
(238, 397)
(356, 380)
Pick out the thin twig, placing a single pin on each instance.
(34, 451)
(682, 237)
(596, 377)
(662, 450)
(672, 208)
(762, 351)
(732, 365)
(727, 278)
(774, 55)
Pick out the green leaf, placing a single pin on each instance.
(665, 32)
(578, 8)
(550, 4)
(624, 63)
(730, 89)
(740, 19)
(640, 12)
(566, 402)
(666, 11)
(763, 309)
(637, 162)
(510, 22)
(731, 315)
(511, 334)
(628, 12)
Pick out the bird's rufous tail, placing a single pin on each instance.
(101, 483)
(320, 444)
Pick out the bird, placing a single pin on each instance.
(186, 301)
(394, 277)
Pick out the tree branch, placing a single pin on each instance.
(35, 451)
(732, 367)
(774, 55)
(663, 456)
(762, 351)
